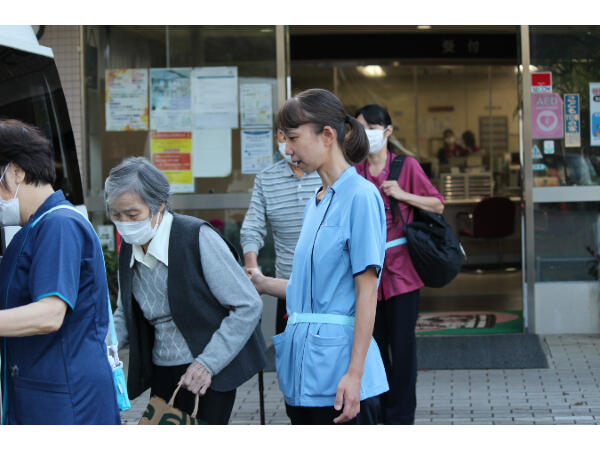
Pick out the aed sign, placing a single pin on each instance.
(546, 116)
(541, 82)
(572, 121)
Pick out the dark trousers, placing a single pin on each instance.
(214, 407)
(308, 415)
(280, 320)
(394, 333)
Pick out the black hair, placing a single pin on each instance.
(375, 115)
(26, 146)
(448, 132)
(321, 108)
(468, 138)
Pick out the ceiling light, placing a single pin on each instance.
(371, 71)
(424, 27)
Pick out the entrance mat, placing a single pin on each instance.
(469, 322)
(496, 351)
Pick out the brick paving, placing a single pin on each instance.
(568, 392)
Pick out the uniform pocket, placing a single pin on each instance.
(329, 245)
(283, 365)
(39, 402)
(326, 361)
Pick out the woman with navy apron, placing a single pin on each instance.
(327, 361)
(53, 296)
(398, 294)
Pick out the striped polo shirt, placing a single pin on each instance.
(278, 197)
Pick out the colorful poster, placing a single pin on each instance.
(171, 99)
(257, 150)
(256, 105)
(211, 153)
(572, 121)
(172, 154)
(594, 114)
(215, 97)
(126, 99)
(547, 119)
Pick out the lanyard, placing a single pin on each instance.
(313, 249)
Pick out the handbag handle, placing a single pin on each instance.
(170, 404)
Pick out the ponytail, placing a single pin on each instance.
(322, 108)
(356, 143)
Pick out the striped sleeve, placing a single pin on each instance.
(254, 227)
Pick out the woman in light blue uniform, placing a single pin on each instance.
(53, 296)
(327, 362)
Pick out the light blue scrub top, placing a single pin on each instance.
(342, 235)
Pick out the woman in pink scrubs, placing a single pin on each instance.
(398, 296)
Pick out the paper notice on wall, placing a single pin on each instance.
(211, 151)
(256, 105)
(257, 150)
(594, 114)
(215, 97)
(171, 99)
(126, 99)
(172, 155)
(572, 120)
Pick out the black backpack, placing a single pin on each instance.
(434, 250)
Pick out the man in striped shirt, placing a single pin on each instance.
(279, 196)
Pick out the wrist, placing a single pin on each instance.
(354, 372)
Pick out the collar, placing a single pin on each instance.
(55, 199)
(287, 170)
(346, 174)
(158, 250)
(386, 169)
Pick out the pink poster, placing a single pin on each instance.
(546, 116)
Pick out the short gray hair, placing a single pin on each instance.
(140, 176)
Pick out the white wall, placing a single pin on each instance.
(567, 308)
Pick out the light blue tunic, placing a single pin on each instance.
(342, 235)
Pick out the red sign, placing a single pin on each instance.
(541, 82)
(172, 161)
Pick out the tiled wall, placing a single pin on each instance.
(64, 41)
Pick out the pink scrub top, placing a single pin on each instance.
(399, 275)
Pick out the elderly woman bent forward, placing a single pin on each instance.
(185, 306)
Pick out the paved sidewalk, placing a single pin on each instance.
(568, 392)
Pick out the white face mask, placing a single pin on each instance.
(137, 233)
(376, 140)
(9, 209)
(281, 148)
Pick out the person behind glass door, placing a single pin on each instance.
(279, 196)
(398, 295)
(185, 306)
(327, 361)
(469, 140)
(54, 296)
(450, 149)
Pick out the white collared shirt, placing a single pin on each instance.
(158, 250)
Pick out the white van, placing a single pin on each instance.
(30, 91)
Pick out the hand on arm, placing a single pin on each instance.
(267, 285)
(348, 389)
(431, 204)
(42, 317)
